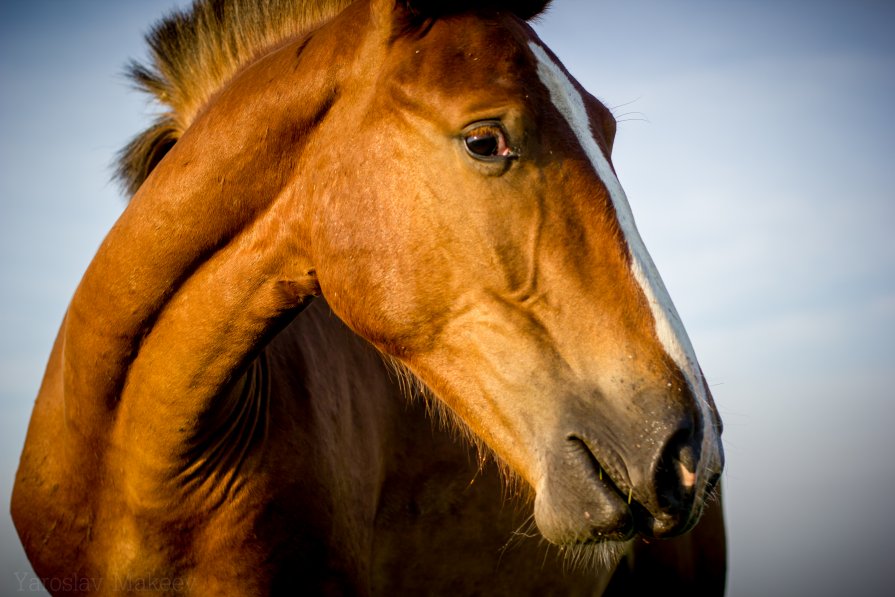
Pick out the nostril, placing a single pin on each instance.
(675, 473)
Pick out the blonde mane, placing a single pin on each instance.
(193, 53)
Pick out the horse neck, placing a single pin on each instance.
(212, 252)
(208, 257)
(208, 262)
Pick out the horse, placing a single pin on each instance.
(376, 320)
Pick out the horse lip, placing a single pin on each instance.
(608, 467)
(578, 505)
(609, 472)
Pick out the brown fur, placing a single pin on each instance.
(203, 417)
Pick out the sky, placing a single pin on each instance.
(756, 145)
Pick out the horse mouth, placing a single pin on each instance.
(602, 471)
(582, 502)
(587, 496)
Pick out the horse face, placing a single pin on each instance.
(479, 236)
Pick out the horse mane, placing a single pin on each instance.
(194, 52)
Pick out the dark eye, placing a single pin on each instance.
(487, 141)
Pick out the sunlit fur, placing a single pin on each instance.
(193, 53)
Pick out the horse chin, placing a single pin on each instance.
(590, 534)
(594, 556)
(575, 507)
(573, 518)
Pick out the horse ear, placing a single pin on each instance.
(525, 9)
(385, 11)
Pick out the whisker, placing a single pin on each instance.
(526, 530)
(628, 103)
(643, 116)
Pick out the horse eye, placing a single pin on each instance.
(487, 141)
(483, 145)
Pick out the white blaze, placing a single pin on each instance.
(668, 326)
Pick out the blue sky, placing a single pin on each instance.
(756, 146)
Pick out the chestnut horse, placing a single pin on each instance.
(433, 191)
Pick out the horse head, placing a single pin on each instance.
(437, 175)
(468, 222)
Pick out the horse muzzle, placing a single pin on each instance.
(612, 481)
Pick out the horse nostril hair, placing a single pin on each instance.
(675, 476)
